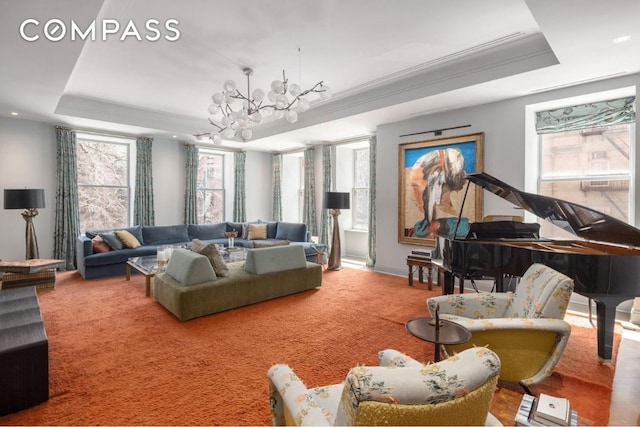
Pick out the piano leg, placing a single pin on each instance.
(449, 282)
(606, 312)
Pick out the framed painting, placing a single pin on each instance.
(432, 187)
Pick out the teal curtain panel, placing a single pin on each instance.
(67, 214)
(191, 186)
(143, 210)
(239, 212)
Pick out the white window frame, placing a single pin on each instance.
(204, 152)
(532, 144)
(129, 143)
(292, 175)
(355, 189)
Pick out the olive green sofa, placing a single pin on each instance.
(189, 288)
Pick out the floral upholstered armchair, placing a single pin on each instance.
(524, 328)
(456, 391)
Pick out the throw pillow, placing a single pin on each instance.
(127, 238)
(110, 238)
(215, 257)
(99, 245)
(257, 231)
(270, 244)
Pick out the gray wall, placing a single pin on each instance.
(28, 159)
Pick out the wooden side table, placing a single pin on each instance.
(32, 272)
(420, 259)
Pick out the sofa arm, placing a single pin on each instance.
(473, 305)
(84, 246)
(290, 397)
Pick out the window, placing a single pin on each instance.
(590, 167)
(360, 206)
(292, 187)
(210, 193)
(104, 181)
(301, 191)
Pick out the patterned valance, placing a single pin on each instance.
(587, 116)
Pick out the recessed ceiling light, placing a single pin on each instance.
(622, 39)
(175, 136)
(13, 113)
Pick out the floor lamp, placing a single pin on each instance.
(335, 201)
(30, 200)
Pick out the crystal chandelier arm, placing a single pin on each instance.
(313, 89)
(214, 124)
(285, 81)
(306, 92)
(255, 107)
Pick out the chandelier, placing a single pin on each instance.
(283, 100)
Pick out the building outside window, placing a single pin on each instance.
(210, 192)
(360, 192)
(590, 167)
(104, 181)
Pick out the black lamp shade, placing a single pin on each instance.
(334, 200)
(24, 199)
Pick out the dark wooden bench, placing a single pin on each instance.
(24, 351)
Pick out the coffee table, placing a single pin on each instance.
(448, 333)
(148, 266)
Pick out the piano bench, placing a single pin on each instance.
(420, 262)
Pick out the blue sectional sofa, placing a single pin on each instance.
(113, 263)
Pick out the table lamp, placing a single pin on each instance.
(335, 201)
(30, 200)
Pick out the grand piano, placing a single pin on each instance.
(603, 259)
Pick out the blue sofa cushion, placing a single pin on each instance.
(136, 230)
(207, 231)
(294, 232)
(112, 240)
(272, 228)
(165, 234)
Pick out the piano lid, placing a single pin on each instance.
(580, 220)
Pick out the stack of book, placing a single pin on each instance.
(420, 255)
(545, 410)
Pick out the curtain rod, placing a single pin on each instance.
(330, 144)
(214, 147)
(350, 139)
(106, 133)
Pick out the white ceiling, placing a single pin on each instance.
(384, 61)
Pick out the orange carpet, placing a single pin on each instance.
(118, 358)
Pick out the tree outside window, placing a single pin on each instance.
(104, 189)
(210, 192)
(360, 189)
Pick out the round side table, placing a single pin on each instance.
(447, 333)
